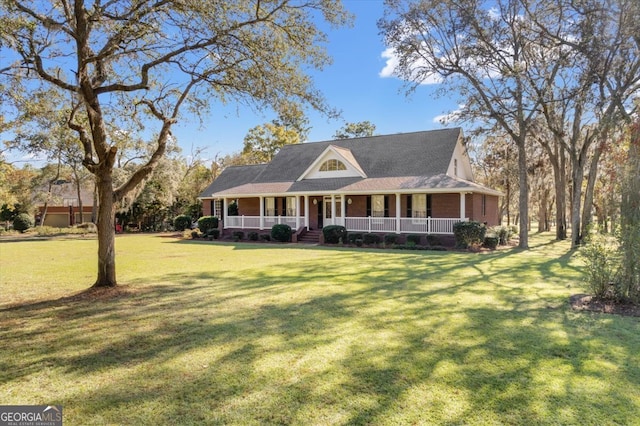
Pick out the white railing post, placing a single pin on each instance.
(369, 223)
(261, 213)
(297, 212)
(398, 204)
(242, 222)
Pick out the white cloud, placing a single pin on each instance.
(449, 117)
(392, 63)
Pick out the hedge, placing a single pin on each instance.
(281, 232)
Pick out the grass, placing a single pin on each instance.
(276, 334)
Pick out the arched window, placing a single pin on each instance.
(332, 166)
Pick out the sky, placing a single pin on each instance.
(357, 84)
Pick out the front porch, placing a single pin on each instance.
(402, 225)
(385, 213)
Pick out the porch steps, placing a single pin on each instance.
(310, 237)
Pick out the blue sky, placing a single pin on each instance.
(353, 84)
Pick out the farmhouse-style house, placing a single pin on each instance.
(404, 183)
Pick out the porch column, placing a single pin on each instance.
(333, 209)
(261, 212)
(463, 207)
(225, 207)
(306, 211)
(343, 209)
(297, 212)
(398, 213)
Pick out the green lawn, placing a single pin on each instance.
(265, 334)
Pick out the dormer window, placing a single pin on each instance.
(332, 165)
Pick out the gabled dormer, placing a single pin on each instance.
(334, 162)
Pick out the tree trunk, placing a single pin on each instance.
(587, 209)
(576, 201)
(78, 191)
(106, 231)
(523, 200)
(94, 207)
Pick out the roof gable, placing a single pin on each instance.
(340, 154)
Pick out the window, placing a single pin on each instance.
(291, 206)
(332, 166)
(377, 206)
(269, 206)
(419, 205)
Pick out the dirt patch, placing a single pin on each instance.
(587, 302)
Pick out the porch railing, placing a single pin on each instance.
(408, 225)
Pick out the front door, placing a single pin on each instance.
(328, 218)
(320, 214)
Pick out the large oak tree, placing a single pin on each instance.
(122, 64)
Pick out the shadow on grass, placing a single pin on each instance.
(351, 339)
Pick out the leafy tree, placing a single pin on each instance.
(355, 130)
(128, 64)
(264, 141)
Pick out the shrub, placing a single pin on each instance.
(213, 233)
(414, 239)
(513, 229)
(22, 222)
(502, 232)
(469, 234)
(601, 264)
(353, 236)
(371, 239)
(359, 242)
(205, 223)
(390, 239)
(265, 237)
(253, 236)
(195, 234)
(434, 240)
(334, 233)
(491, 242)
(237, 235)
(182, 222)
(88, 227)
(281, 232)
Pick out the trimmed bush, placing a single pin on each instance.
(371, 239)
(434, 240)
(491, 242)
(195, 234)
(213, 233)
(414, 239)
(205, 223)
(253, 236)
(468, 234)
(359, 242)
(237, 235)
(281, 232)
(390, 239)
(334, 233)
(22, 222)
(182, 222)
(265, 237)
(353, 236)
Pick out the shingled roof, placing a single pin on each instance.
(408, 161)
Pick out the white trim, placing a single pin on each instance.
(333, 153)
